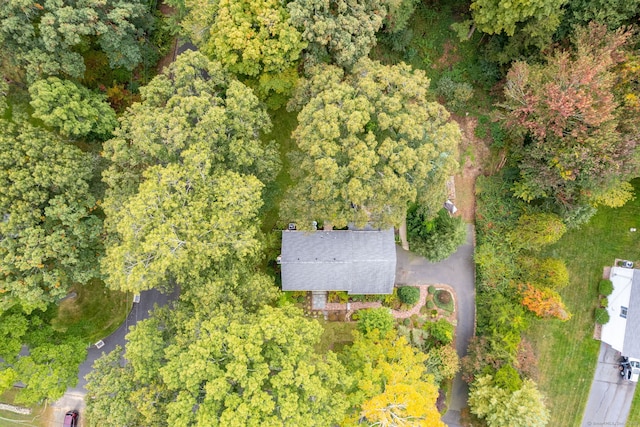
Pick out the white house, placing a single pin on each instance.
(622, 332)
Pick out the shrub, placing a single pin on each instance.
(435, 239)
(431, 289)
(443, 300)
(406, 322)
(495, 264)
(430, 304)
(375, 318)
(455, 94)
(339, 297)
(440, 332)
(605, 287)
(391, 300)
(409, 295)
(604, 302)
(357, 298)
(444, 297)
(537, 230)
(602, 316)
(546, 272)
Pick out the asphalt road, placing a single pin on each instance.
(74, 397)
(610, 396)
(457, 271)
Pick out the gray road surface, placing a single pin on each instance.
(74, 397)
(457, 271)
(610, 396)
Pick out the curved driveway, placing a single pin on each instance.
(457, 271)
(74, 396)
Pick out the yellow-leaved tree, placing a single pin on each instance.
(392, 386)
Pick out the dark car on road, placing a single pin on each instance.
(70, 419)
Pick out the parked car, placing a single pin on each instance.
(630, 369)
(71, 419)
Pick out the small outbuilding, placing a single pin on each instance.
(622, 331)
(355, 261)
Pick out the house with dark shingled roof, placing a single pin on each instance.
(356, 261)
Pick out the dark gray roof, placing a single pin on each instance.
(632, 331)
(359, 262)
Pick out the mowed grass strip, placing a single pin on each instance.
(94, 314)
(567, 353)
(284, 122)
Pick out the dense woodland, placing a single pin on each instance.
(116, 174)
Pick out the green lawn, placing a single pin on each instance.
(567, 353)
(94, 314)
(284, 123)
(336, 335)
(634, 415)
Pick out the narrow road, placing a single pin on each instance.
(74, 397)
(457, 271)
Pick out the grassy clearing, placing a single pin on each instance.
(567, 353)
(94, 314)
(431, 45)
(284, 122)
(336, 335)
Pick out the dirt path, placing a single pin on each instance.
(473, 154)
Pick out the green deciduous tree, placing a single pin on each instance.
(49, 369)
(44, 38)
(224, 368)
(341, 31)
(180, 224)
(49, 366)
(369, 143)
(195, 113)
(73, 109)
(435, 238)
(109, 385)
(497, 16)
(503, 407)
(13, 326)
(399, 13)
(253, 38)
(50, 230)
(612, 13)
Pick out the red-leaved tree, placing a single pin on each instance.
(567, 115)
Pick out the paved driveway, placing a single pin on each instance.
(457, 271)
(610, 396)
(74, 397)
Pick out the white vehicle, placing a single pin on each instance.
(630, 369)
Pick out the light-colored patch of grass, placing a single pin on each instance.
(94, 314)
(336, 335)
(567, 352)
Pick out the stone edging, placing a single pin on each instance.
(15, 409)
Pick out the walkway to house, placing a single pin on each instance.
(352, 307)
